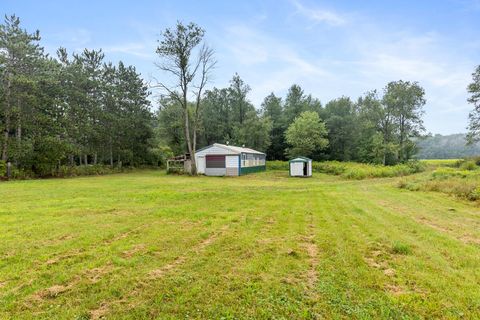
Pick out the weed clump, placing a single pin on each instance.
(401, 248)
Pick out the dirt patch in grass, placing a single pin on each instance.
(51, 292)
(433, 225)
(395, 289)
(378, 259)
(312, 251)
(125, 234)
(94, 275)
(158, 273)
(100, 312)
(470, 240)
(389, 272)
(467, 239)
(59, 258)
(133, 251)
(311, 248)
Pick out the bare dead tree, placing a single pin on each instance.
(190, 75)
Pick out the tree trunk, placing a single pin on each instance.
(70, 160)
(18, 135)
(5, 137)
(95, 158)
(6, 130)
(188, 136)
(86, 159)
(111, 154)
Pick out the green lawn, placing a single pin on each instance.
(262, 246)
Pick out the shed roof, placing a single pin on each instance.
(301, 159)
(234, 149)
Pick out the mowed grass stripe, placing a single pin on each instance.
(245, 247)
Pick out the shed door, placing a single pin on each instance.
(296, 169)
(215, 165)
(214, 161)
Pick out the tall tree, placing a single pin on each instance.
(406, 99)
(272, 108)
(474, 116)
(20, 60)
(217, 116)
(341, 121)
(239, 103)
(176, 49)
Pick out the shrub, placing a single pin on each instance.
(468, 165)
(277, 165)
(474, 194)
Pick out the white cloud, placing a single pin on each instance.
(136, 49)
(319, 15)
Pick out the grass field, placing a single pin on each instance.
(263, 246)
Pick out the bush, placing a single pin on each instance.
(474, 194)
(277, 165)
(468, 165)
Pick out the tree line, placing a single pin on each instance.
(78, 109)
(69, 109)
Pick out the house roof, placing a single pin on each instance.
(301, 159)
(233, 149)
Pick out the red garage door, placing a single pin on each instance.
(215, 161)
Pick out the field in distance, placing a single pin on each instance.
(146, 245)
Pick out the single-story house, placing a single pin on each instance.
(300, 167)
(225, 160)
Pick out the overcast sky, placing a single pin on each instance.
(329, 48)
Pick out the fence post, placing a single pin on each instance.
(9, 170)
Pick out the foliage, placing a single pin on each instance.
(356, 171)
(306, 135)
(340, 119)
(68, 110)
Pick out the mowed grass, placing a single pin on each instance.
(147, 245)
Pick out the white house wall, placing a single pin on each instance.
(231, 164)
(201, 163)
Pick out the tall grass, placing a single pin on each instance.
(463, 182)
(356, 171)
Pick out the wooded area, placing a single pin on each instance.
(79, 109)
